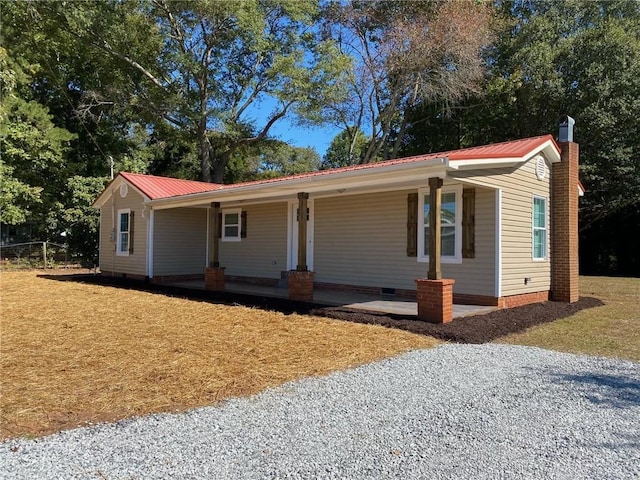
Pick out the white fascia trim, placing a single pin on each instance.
(485, 163)
(361, 178)
(548, 149)
(111, 190)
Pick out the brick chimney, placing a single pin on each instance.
(564, 217)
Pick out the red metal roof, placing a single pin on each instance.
(511, 149)
(164, 187)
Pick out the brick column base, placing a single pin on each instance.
(214, 279)
(435, 300)
(300, 286)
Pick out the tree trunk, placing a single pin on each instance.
(219, 164)
(205, 151)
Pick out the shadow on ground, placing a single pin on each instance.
(471, 329)
(616, 390)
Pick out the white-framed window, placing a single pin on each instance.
(123, 231)
(451, 224)
(539, 228)
(231, 225)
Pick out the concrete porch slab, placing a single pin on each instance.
(361, 301)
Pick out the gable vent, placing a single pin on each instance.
(541, 167)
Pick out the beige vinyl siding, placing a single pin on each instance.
(361, 240)
(180, 241)
(263, 253)
(519, 185)
(136, 263)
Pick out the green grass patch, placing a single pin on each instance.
(612, 330)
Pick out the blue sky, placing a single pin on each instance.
(318, 137)
(286, 129)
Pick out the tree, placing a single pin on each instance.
(578, 57)
(78, 219)
(272, 159)
(203, 67)
(582, 58)
(406, 53)
(347, 148)
(17, 199)
(32, 147)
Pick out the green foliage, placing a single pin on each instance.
(173, 88)
(579, 57)
(200, 66)
(76, 217)
(271, 159)
(16, 198)
(406, 53)
(349, 147)
(32, 147)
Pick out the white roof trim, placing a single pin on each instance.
(380, 175)
(114, 186)
(548, 149)
(383, 175)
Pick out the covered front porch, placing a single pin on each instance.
(391, 304)
(340, 251)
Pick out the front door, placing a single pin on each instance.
(292, 238)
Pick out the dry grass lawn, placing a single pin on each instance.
(74, 353)
(612, 330)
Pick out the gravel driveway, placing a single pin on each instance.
(457, 411)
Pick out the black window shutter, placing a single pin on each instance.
(131, 232)
(220, 225)
(412, 225)
(243, 224)
(468, 223)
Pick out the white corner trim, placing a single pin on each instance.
(150, 235)
(209, 234)
(498, 239)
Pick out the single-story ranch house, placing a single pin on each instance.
(489, 225)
